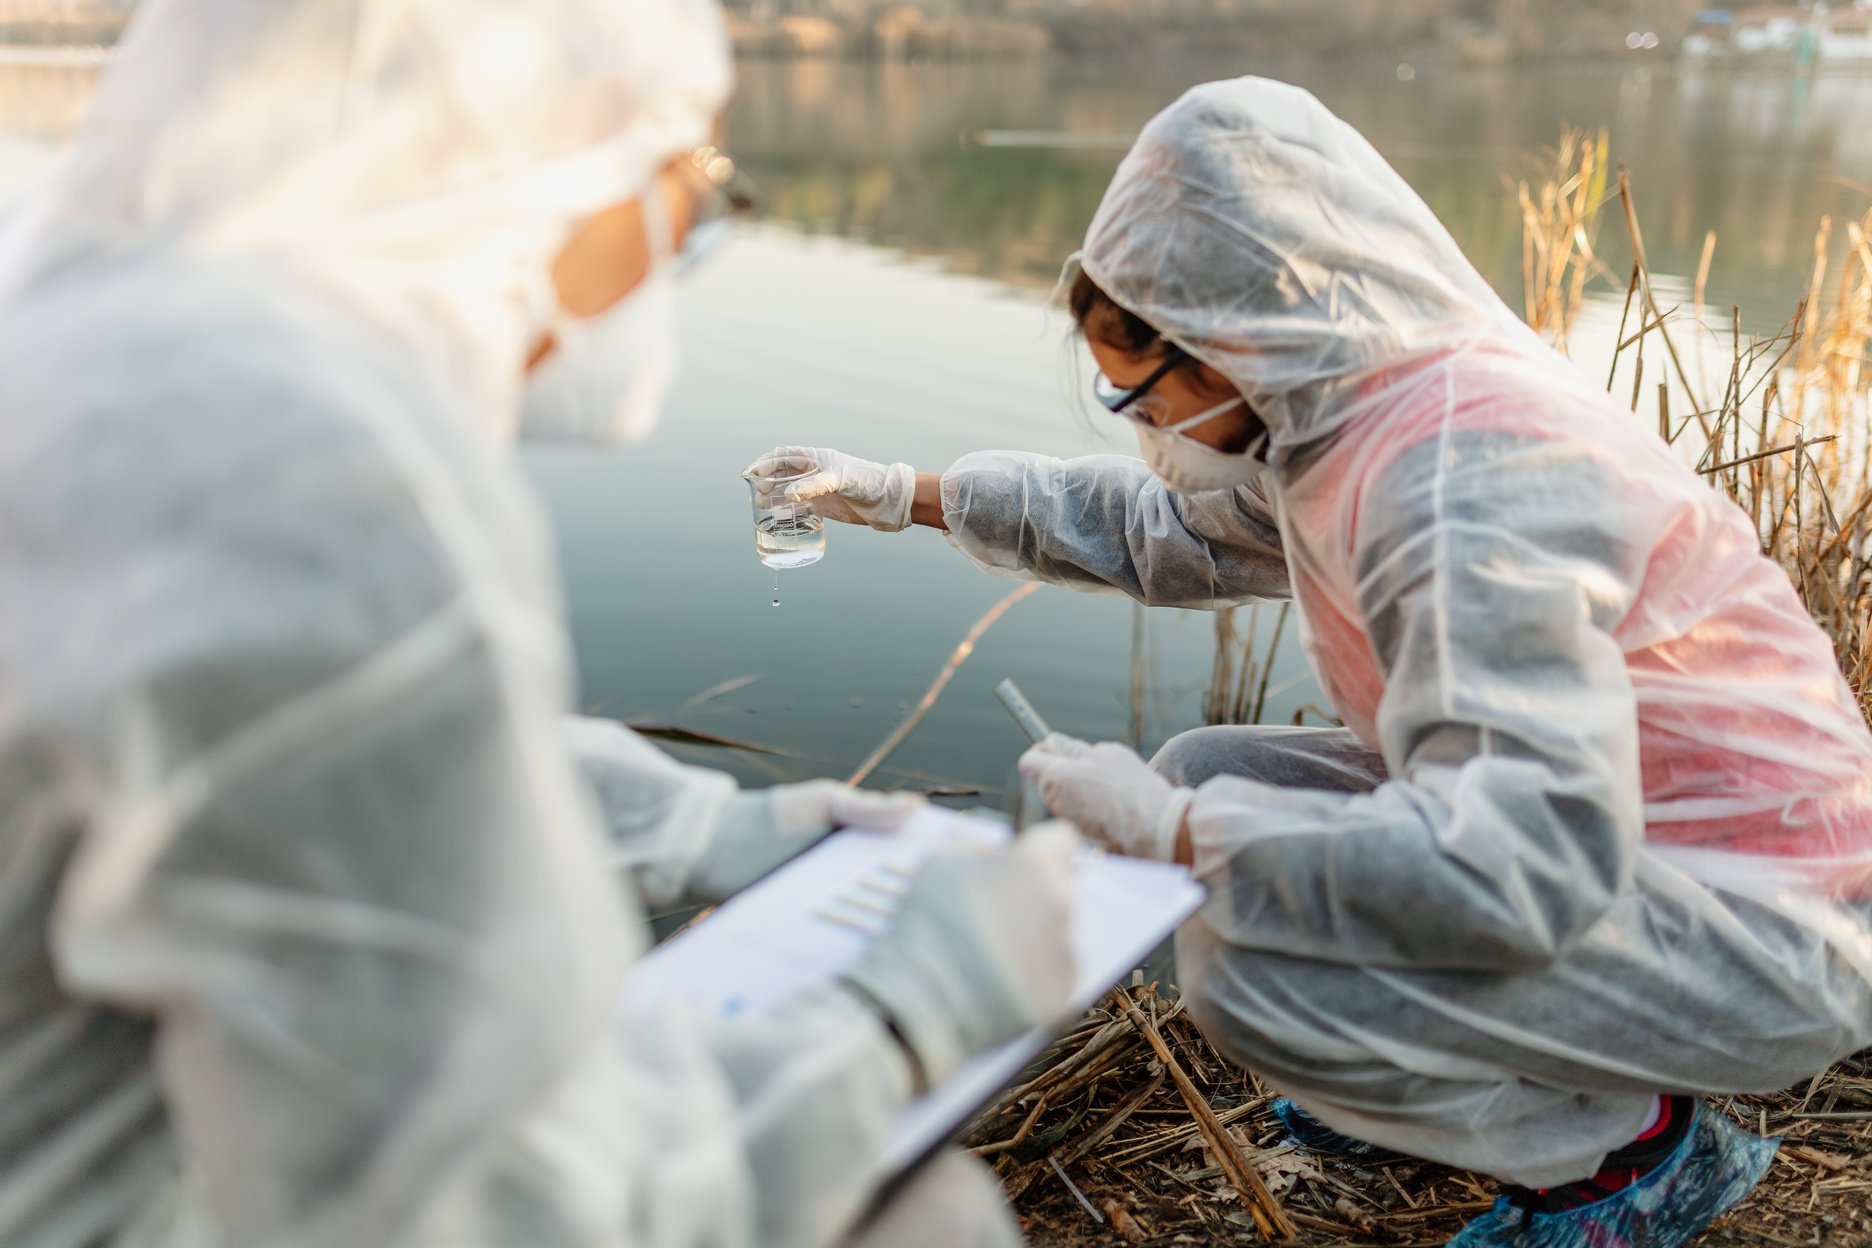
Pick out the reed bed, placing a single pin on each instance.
(1132, 1129)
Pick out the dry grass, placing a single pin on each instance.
(1559, 221)
(1099, 1147)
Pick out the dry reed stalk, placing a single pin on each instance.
(1239, 703)
(1697, 292)
(957, 657)
(1221, 669)
(1631, 291)
(1240, 671)
(1253, 715)
(1134, 728)
(1268, 1215)
(1117, 1118)
(1558, 223)
(1644, 288)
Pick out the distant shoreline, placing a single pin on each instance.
(56, 55)
(905, 35)
(95, 32)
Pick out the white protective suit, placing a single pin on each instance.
(306, 932)
(1600, 824)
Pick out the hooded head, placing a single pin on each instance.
(422, 160)
(1264, 236)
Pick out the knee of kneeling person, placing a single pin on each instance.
(1191, 757)
(1206, 969)
(1268, 1012)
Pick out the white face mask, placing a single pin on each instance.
(608, 375)
(1186, 466)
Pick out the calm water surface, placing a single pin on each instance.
(893, 306)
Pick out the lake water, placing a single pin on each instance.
(893, 306)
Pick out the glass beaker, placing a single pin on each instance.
(786, 535)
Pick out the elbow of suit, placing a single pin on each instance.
(1552, 911)
(1554, 870)
(1556, 927)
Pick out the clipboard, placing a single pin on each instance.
(796, 929)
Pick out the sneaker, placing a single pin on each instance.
(1308, 1132)
(1713, 1166)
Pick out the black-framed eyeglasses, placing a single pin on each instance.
(1119, 401)
(731, 199)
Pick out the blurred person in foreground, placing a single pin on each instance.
(1595, 840)
(311, 930)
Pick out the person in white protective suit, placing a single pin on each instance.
(307, 931)
(1596, 836)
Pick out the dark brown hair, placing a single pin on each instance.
(1100, 317)
(1103, 319)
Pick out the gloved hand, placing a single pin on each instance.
(1110, 793)
(759, 830)
(839, 486)
(979, 952)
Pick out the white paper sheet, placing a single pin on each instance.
(798, 927)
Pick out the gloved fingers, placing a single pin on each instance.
(1110, 793)
(820, 805)
(1041, 764)
(878, 812)
(1060, 743)
(818, 485)
(784, 461)
(1051, 849)
(1057, 752)
(1053, 774)
(1052, 758)
(1047, 759)
(766, 495)
(779, 475)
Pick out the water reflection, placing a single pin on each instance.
(875, 152)
(827, 343)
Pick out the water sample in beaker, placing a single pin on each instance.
(786, 535)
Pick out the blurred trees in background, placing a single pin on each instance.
(1483, 31)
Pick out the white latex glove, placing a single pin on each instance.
(980, 951)
(839, 486)
(758, 831)
(1110, 793)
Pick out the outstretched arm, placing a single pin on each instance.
(1106, 523)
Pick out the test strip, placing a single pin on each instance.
(886, 887)
(1023, 712)
(846, 921)
(859, 902)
